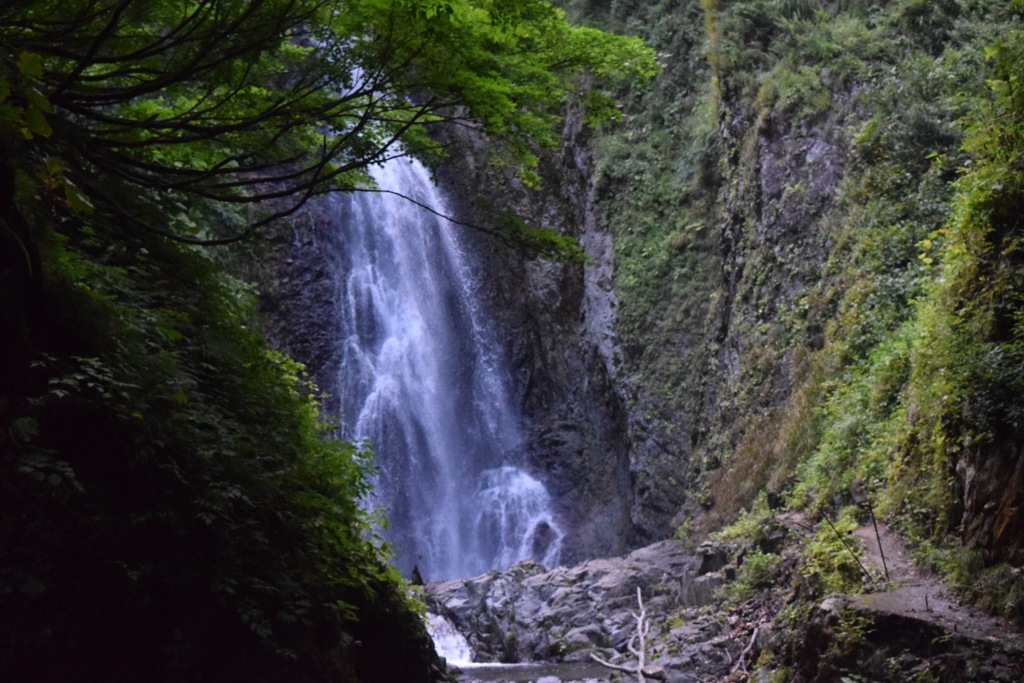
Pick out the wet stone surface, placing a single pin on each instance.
(527, 614)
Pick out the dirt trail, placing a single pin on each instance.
(909, 592)
(892, 563)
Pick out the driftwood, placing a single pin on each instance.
(637, 646)
(741, 665)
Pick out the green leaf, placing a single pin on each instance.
(36, 124)
(79, 201)
(39, 101)
(30, 64)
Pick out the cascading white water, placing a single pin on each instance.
(422, 381)
(448, 642)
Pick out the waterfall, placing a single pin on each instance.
(448, 642)
(423, 382)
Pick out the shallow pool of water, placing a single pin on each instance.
(537, 672)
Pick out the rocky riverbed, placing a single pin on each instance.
(528, 623)
(529, 614)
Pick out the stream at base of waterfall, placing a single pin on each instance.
(424, 383)
(456, 650)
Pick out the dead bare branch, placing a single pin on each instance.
(741, 660)
(643, 629)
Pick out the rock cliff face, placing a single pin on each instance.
(557, 321)
(776, 200)
(993, 498)
(775, 239)
(297, 295)
(767, 199)
(764, 256)
(723, 223)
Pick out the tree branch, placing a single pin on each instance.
(643, 628)
(741, 660)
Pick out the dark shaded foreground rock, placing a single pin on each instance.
(529, 614)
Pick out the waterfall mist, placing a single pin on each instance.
(422, 381)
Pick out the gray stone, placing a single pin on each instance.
(568, 613)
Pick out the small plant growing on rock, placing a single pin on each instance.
(758, 572)
(829, 564)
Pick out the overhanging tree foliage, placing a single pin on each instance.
(169, 508)
(245, 101)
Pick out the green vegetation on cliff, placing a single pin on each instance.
(816, 210)
(171, 507)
